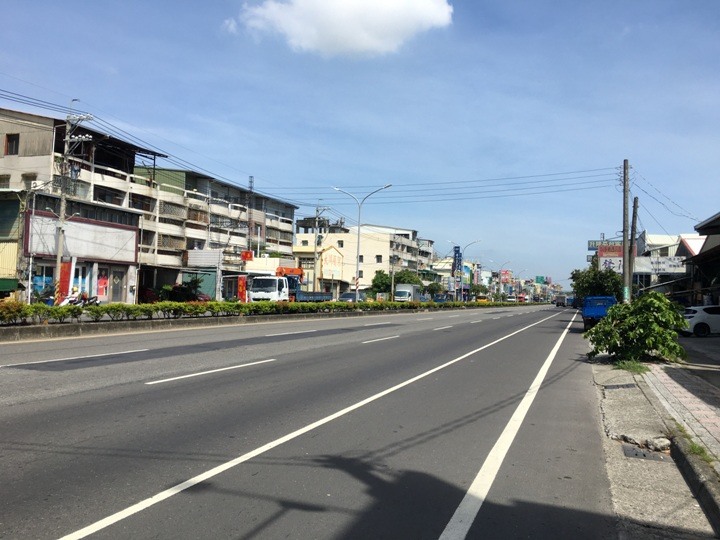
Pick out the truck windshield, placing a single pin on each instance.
(402, 294)
(263, 285)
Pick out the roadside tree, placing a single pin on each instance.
(644, 330)
(595, 282)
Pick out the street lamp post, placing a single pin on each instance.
(357, 255)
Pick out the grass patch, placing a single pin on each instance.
(633, 366)
(700, 451)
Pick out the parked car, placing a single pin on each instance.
(703, 320)
(350, 297)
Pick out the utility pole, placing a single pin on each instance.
(627, 276)
(318, 210)
(71, 143)
(633, 235)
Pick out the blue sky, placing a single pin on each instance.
(498, 121)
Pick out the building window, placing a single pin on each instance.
(12, 144)
(361, 274)
(341, 243)
(378, 258)
(4, 181)
(28, 179)
(304, 243)
(360, 259)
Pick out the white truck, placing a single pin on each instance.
(405, 292)
(269, 288)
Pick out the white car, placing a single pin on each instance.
(703, 320)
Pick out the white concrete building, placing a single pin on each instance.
(328, 253)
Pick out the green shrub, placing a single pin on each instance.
(171, 310)
(40, 312)
(75, 312)
(230, 308)
(195, 309)
(13, 312)
(147, 311)
(132, 312)
(116, 311)
(96, 313)
(62, 313)
(646, 329)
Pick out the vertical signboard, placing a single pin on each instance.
(457, 261)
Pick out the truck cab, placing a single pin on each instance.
(269, 288)
(405, 292)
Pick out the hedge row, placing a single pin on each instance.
(13, 312)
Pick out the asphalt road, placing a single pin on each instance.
(477, 423)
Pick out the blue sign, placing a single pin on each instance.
(457, 261)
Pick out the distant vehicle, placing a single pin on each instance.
(269, 288)
(350, 297)
(595, 308)
(404, 292)
(511, 298)
(296, 277)
(482, 298)
(561, 300)
(284, 286)
(703, 320)
(441, 298)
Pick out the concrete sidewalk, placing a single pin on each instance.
(676, 407)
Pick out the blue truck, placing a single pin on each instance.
(595, 308)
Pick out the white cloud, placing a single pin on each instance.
(230, 26)
(347, 27)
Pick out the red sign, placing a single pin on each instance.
(605, 250)
(246, 255)
(242, 288)
(63, 284)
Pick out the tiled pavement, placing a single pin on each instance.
(692, 401)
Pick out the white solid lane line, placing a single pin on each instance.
(187, 484)
(462, 520)
(379, 339)
(73, 358)
(442, 328)
(210, 371)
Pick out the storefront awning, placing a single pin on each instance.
(8, 284)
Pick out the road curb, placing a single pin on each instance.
(700, 476)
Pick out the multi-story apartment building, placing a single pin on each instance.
(74, 195)
(328, 253)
